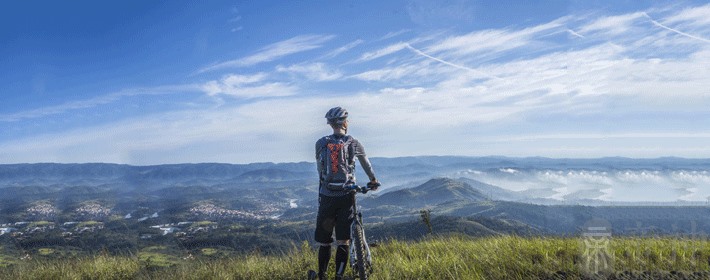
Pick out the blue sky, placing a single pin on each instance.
(143, 82)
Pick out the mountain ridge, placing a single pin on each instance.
(433, 192)
(534, 179)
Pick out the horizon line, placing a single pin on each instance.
(378, 158)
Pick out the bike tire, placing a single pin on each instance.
(360, 252)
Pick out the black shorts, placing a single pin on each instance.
(334, 212)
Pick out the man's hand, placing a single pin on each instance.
(373, 185)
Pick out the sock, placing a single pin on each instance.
(323, 259)
(341, 259)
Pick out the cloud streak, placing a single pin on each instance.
(314, 71)
(656, 23)
(342, 49)
(611, 25)
(96, 101)
(251, 86)
(494, 40)
(478, 72)
(575, 33)
(274, 51)
(382, 52)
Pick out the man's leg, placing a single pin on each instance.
(323, 260)
(344, 218)
(325, 223)
(341, 258)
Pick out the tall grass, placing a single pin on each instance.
(453, 257)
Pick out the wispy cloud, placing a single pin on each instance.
(248, 86)
(383, 52)
(96, 101)
(574, 33)
(274, 51)
(675, 30)
(391, 73)
(312, 71)
(394, 34)
(478, 72)
(612, 25)
(694, 16)
(494, 40)
(614, 185)
(624, 135)
(342, 49)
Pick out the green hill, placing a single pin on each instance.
(438, 257)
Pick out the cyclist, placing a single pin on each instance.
(335, 157)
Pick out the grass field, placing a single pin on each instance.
(435, 258)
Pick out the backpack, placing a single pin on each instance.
(338, 163)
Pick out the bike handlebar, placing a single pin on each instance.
(356, 188)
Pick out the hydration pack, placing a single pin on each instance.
(338, 163)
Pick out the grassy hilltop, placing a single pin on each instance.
(506, 257)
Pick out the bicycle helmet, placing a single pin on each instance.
(336, 115)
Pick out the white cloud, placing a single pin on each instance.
(96, 101)
(612, 25)
(389, 73)
(493, 40)
(573, 33)
(623, 185)
(478, 72)
(626, 135)
(240, 80)
(312, 71)
(394, 34)
(343, 49)
(694, 16)
(383, 52)
(676, 31)
(274, 51)
(248, 86)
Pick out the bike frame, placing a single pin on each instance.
(357, 222)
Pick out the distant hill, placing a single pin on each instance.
(493, 192)
(149, 177)
(274, 175)
(433, 192)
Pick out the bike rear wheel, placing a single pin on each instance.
(360, 252)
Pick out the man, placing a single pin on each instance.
(335, 157)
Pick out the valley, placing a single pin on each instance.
(53, 210)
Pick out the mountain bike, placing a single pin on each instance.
(360, 256)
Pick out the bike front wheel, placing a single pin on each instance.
(360, 252)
